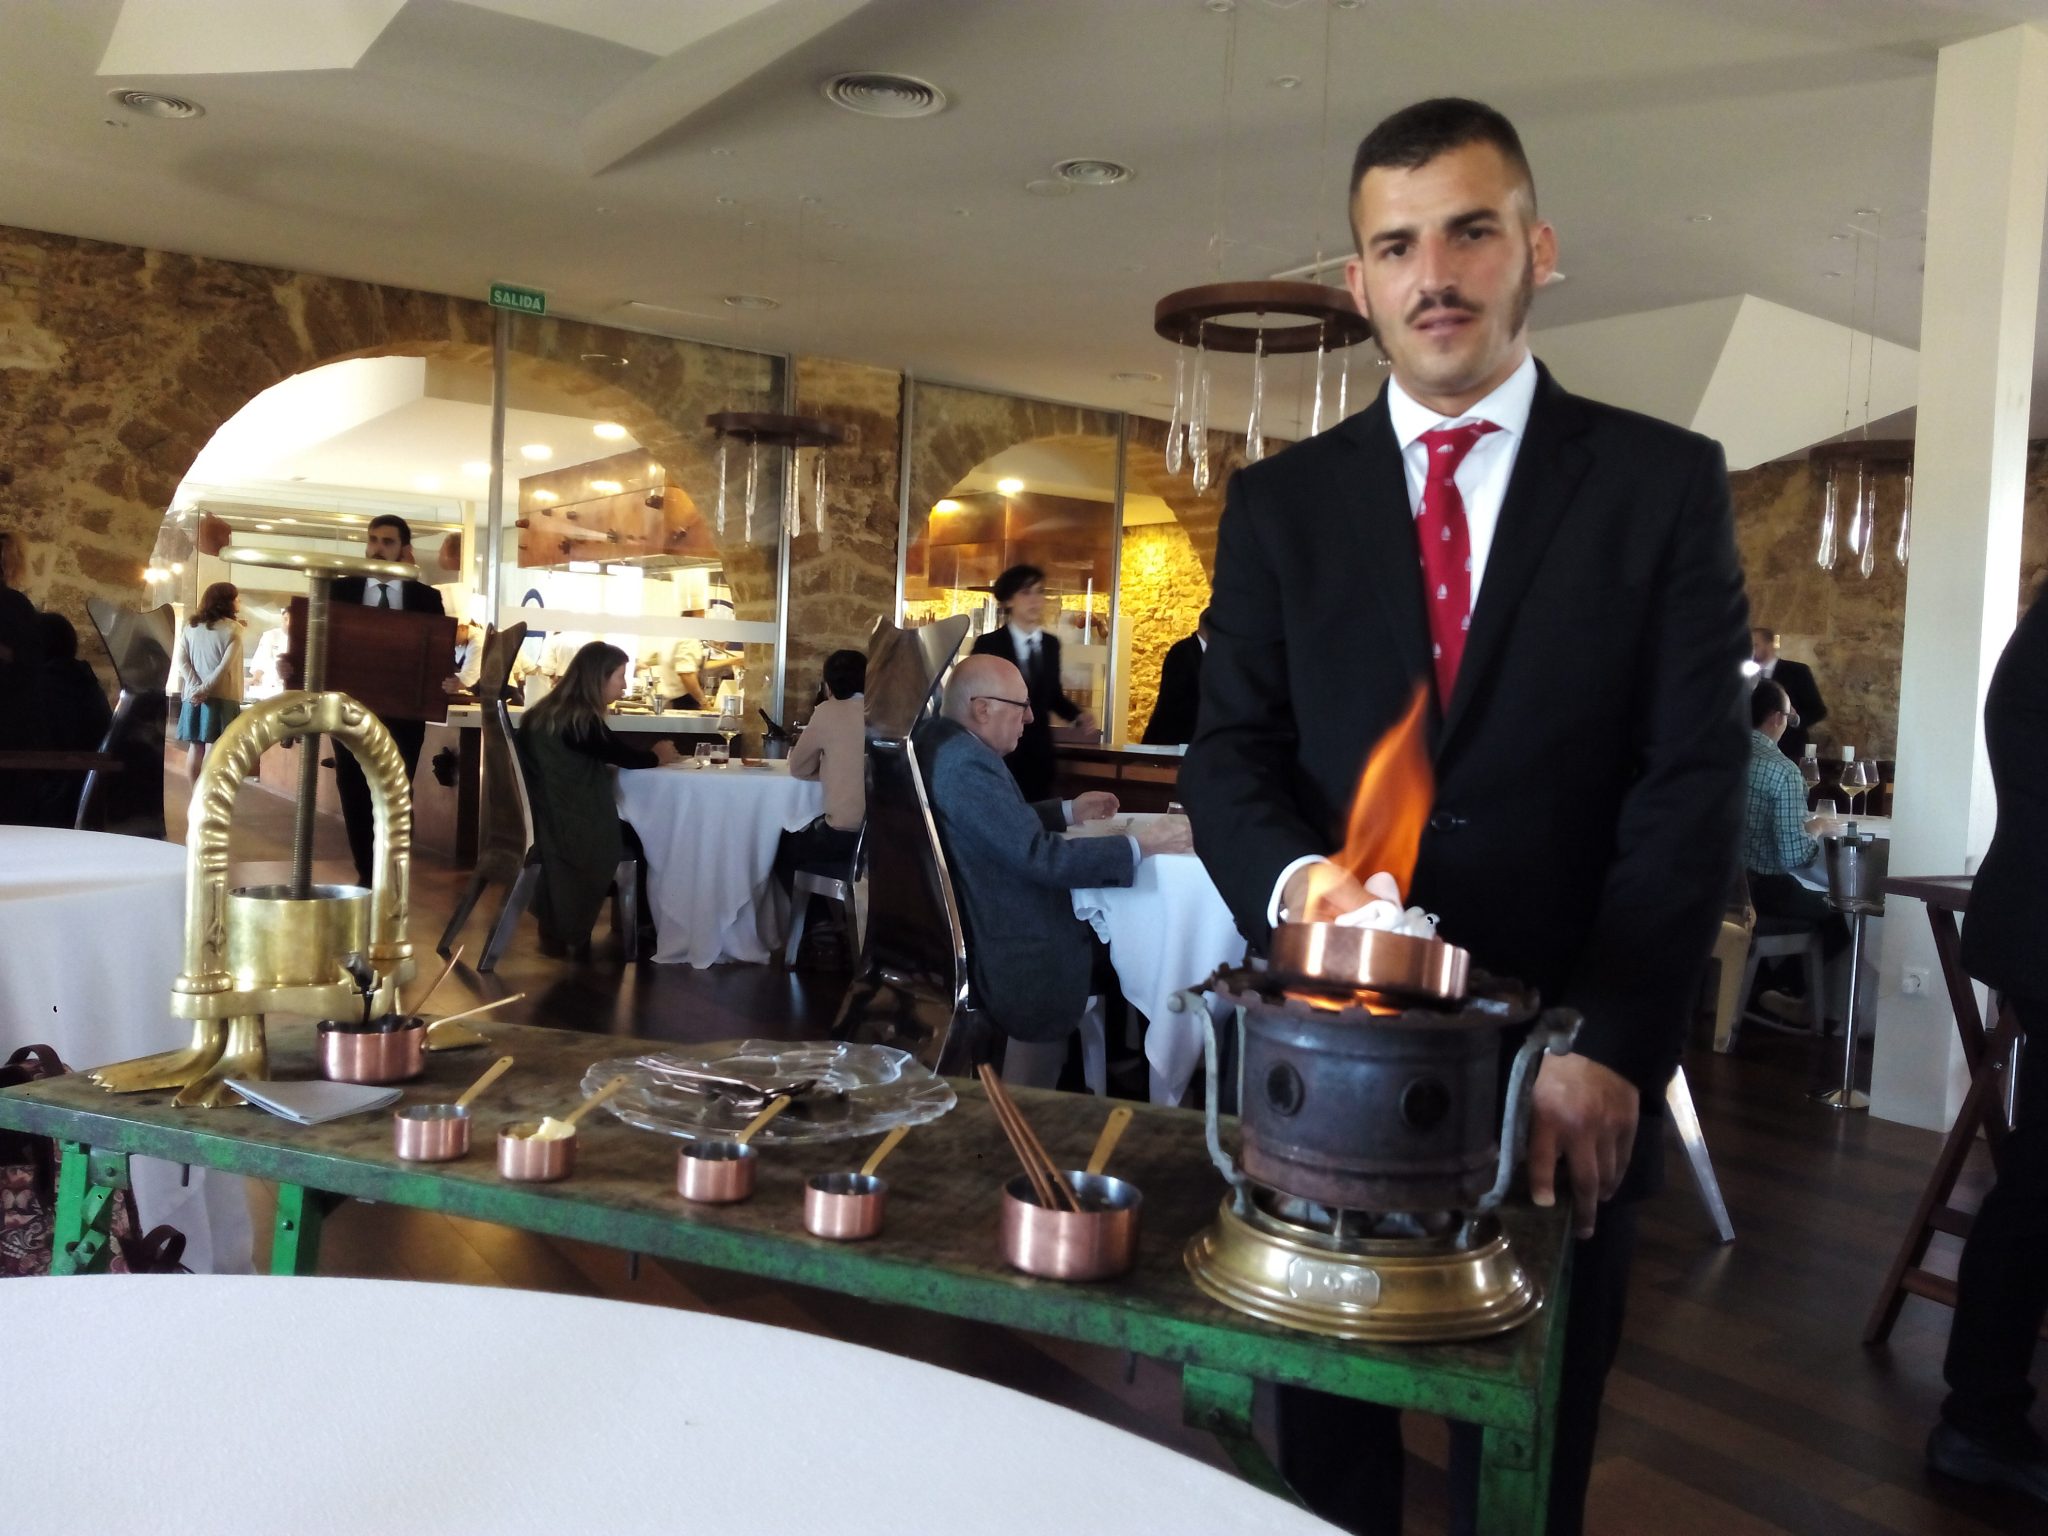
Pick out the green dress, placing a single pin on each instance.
(576, 824)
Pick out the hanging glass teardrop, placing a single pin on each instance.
(1855, 529)
(818, 501)
(753, 481)
(721, 485)
(1315, 410)
(1866, 515)
(1176, 424)
(1254, 437)
(1344, 385)
(1828, 552)
(1904, 549)
(1198, 430)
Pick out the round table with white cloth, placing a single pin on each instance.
(1167, 930)
(711, 835)
(92, 931)
(337, 1407)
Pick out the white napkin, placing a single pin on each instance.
(314, 1103)
(1385, 912)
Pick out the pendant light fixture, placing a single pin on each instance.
(1230, 317)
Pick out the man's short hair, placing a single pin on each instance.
(846, 673)
(393, 520)
(1765, 700)
(1015, 580)
(1416, 135)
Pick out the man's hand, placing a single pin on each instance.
(1085, 721)
(451, 684)
(1164, 834)
(1095, 805)
(1584, 1114)
(667, 752)
(1315, 893)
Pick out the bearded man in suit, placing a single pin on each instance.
(1459, 536)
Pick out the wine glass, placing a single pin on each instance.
(1809, 770)
(1856, 782)
(728, 722)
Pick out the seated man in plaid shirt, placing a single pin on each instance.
(1777, 838)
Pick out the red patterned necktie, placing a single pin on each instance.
(1446, 544)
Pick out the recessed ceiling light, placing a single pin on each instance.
(610, 431)
(265, 528)
(536, 452)
(1049, 186)
(1285, 82)
(946, 504)
(751, 301)
(476, 469)
(156, 104)
(1090, 171)
(1009, 485)
(873, 94)
(1135, 376)
(606, 487)
(1699, 218)
(426, 482)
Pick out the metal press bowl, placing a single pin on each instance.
(1095, 1243)
(525, 1160)
(845, 1207)
(431, 1133)
(387, 1050)
(715, 1172)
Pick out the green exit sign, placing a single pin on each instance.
(528, 301)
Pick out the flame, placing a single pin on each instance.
(1369, 1001)
(1392, 805)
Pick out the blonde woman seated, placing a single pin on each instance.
(569, 754)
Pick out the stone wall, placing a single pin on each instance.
(839, 584)
(1851, 630)
(1162, 589)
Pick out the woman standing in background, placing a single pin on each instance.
(207, 667)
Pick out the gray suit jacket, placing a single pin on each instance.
(1029, 956)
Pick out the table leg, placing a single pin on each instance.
(1221, 1403)
(295, 1240)
(88, 1184)
(1514, 1482)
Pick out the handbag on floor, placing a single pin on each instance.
(28, 1195)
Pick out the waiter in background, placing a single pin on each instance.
(1025, 643)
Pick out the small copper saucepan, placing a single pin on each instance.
(439, 1133)
(1098, 1241)
(722, 1172)
(386, 1050)
(847, 1207)
(541, 1151)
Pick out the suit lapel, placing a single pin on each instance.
(1378, 528)
(1547, 473)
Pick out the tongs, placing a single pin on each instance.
(744, 1092)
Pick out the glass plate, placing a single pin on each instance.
(860, 1090)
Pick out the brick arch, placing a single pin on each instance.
(120, 364)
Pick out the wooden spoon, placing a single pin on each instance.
(889, 1144)
(552, 1129)
(1112, 1132)
(450, 1034)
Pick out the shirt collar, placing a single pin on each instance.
(1507, 407)
(1020, 636)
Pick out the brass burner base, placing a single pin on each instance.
(1414, 1290)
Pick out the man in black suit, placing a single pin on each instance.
(1024, 642)
(389, 538)
(1796, 678)
(2002, 1281)
(1180, 690)
(1579, 626)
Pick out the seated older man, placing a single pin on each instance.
(1033, 962)
(1778, 838)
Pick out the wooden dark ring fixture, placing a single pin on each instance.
(1194, 315)
(775, 427)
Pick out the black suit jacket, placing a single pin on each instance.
(1032, 763)
(1796, 678)
(2008, 917)
(1180, 695)
(1590, 761)
(413, 596)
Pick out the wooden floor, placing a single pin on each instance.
(1744, 1403)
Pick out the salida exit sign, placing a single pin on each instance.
(527, 301)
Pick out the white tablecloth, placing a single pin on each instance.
(336, 1407)
(91, 932)
(711, 835)
(1168, 930)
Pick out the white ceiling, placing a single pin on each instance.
(643, 150)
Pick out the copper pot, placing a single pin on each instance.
(1095, 1243)
(386, 1050)
(431, 1133)
(715, 1172)
(845, 1207)
(528, 1158)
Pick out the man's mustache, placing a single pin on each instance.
(1450, 300)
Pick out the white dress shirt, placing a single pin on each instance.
(395, 598)
(1025, 643)
(1482, 481)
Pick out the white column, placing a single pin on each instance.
(1985, 200)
